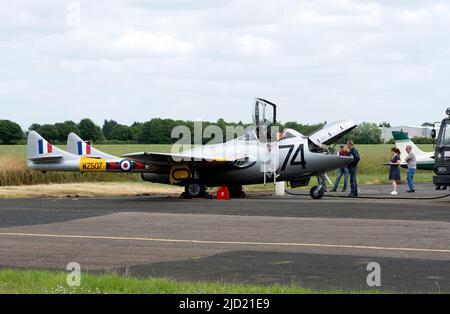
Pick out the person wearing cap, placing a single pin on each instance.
(342, 171)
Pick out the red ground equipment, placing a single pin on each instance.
(223, 193)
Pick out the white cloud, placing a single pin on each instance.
(420, 17)
(8, 88)
(150, 42)
(186, 59)
(255, 46)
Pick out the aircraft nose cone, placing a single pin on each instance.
(342, 161)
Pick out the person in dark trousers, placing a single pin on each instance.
(352, 167)
(394, 169)
(342, 171)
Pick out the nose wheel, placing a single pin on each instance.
(317, 192)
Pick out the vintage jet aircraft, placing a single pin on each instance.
(258, 156)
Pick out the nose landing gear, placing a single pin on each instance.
(318, 191)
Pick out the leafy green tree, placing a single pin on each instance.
(35, 127)
(366, 133)
(107, 128)
(121, 132)
(422, 140)
(305, 129)
(157, 131)
(10, 132)
(146, 133)
(136, 130)
(384, 124)
(49, 132)
(65, 128)
(89, 131)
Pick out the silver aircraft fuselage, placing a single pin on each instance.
(285, 160)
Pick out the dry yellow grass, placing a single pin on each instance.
(14, 171)
(88, 190)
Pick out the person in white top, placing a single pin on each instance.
(412, 167)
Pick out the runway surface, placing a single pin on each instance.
(261, 239)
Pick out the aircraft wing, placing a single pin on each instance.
(166, 159)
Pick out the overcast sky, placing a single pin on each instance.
(134, 60)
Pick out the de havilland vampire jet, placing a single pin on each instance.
(258, 156)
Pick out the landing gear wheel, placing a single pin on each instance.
(194, 189)
(317, 192)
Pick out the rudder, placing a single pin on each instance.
(402, 140)
(76, 146)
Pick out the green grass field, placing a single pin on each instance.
(46, 282)
(14, 171)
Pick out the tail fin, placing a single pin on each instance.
(44, 156)
(76, 146)
(402, 140)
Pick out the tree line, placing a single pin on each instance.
(154, 131)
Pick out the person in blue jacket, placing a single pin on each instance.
(352, 168)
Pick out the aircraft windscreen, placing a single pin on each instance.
(290, 133)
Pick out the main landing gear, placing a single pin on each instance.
(194, 189)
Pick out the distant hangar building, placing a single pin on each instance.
(412, 131)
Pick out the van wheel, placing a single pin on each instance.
(317, 192)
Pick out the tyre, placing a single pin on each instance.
(194, 189)
(316, 192)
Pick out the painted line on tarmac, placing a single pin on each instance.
(247, 243)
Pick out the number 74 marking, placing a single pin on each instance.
(300, 150)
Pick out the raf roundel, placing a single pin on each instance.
(125, 165)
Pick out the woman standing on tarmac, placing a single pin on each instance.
(394, 170)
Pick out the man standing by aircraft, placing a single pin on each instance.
(412, 166)
(342, 171)
(352, 167)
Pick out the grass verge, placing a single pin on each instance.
(47, 282)
(89, 190)
(139, 188)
